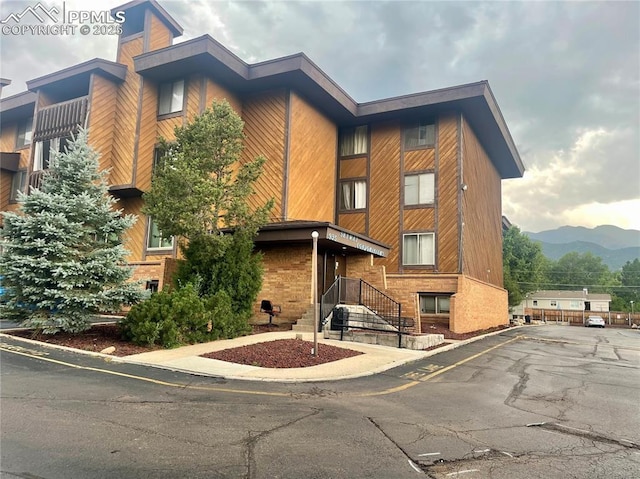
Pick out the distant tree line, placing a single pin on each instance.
(527, 269)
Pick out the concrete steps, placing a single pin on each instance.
(306, 323)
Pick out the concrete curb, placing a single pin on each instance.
(364, 373)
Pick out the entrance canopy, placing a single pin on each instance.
(330, 237)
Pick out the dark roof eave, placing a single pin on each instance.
(475, 100)
(112, 70)
(312, 225)
(16, 101)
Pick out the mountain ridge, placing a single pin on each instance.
(613, 244)
(607, 236)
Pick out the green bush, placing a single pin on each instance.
(170, 319)
(226, 324)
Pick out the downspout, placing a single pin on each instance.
(460, 193)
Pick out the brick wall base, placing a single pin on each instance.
(478, 305)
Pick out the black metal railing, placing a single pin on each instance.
(357, 291)
(344, 320)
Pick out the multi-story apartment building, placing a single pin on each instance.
(405, 192)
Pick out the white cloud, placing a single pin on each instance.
(577, 187)
(566, 76)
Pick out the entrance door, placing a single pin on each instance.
(335, 264)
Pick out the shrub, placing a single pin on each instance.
(169, 319)
(226, 324)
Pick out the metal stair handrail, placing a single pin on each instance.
(357, 291)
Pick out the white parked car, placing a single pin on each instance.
(595, 321)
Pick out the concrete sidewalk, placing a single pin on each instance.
(375, 359)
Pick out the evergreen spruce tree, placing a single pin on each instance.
(63, 256)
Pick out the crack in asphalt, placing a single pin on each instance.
(593, 436)
(21, 475)
(251, 441)
(398, 446)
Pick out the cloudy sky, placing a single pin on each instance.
(565, 74)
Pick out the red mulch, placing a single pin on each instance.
(441, 329)
(96, 339)
(282, 353)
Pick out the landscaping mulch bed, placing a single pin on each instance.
(96, 339)
(282, 353)
(448, 334)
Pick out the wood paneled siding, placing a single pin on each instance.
(447, 188)
(102, 118)
(353, 221)
(148, 135)
(8, 137)
(215, 92)
(353, 168)
(264, 117)
(418, 160)
(481, 212)
(166, 128)
(159, 36)
(134, 237)
(6, 178)
(384, 188)
(44, 100)
(419, 219)
(126, 118)
(312, 163)
(193, 89)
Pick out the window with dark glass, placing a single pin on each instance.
(44, 151)
(153, 285)
(434, 304)
(353, 141)
(155, 239)
(421, 134)
(18, 183)
(24, 133)
(158, 156)
(171, 97)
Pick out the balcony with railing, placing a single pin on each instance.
(35, 179)
(61, 119)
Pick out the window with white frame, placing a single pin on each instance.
(171, 97)
(353, 195)
(155, 239)
(434, 304)
(418, 249)
(44, 151)
(353, 141)
(24, 133)
(18, 183)
(419, 189)
(422, 134)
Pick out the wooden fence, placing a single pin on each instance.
(615, 318)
